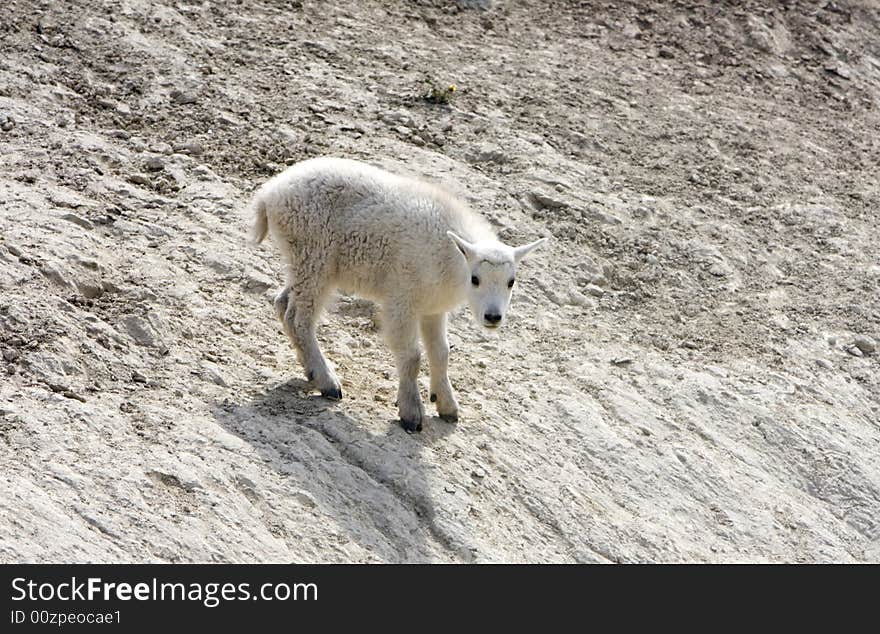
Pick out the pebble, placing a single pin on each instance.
(865, 344)
(54, 275)
(487, 153)
(621, 360)
(543, 201)
(577, 298)
(478, 473)
(78, 220)
(139, 330)
(195, 149)
(140, 179)
(395, 118)
(854, 351)
(90, 289)
(160, 147)
(154, 164)
(719, 270)
(212, 372)
(824, 363)
(182, 97)
(203, 171)
(594, 290)
(137, 377)
(306, 499)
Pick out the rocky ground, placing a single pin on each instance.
(690, 372)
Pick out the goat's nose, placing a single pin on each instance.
(493, 318)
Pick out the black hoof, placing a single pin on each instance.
(433, 398)
(411, 426)
(335, 393)
(449, 418)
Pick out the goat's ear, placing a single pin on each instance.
(520, 252)
(467, 249)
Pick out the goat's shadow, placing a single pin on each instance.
(374, 485)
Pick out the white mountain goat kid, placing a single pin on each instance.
(404, 243)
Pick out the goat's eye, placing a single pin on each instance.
(475, 280)
(510, 284)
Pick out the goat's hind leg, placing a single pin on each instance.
(281, 303)
(304, 308)
(285, 311)
(298, 312)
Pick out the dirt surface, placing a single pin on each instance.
(689, 373)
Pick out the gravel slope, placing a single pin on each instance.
(689, 373)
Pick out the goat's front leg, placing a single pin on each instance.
(402, 336)
(437, 347)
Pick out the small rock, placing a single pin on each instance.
(719, 270)
(305, 498)
(555, 297)
(183, 97)
(396, 118)
(865, 344)
(594, 290)
(139, 330)
(154, 164)
(192, 148)
(854, 351)
(109, 287)
(543, 201)
(824, 363)
(621, 360)
(480, 5)
(478, 473)
(137, 377)
(487, 153)
(78, 220)
(203, 171)
(90, 289)
(160, 147)
(258, 283)
(577, 298)
(54, 275)
(211, 372)
(140, 179)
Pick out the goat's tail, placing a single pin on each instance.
(261, 221)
